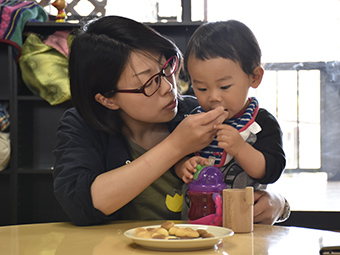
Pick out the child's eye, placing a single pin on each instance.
(202, 89)
(225, 87)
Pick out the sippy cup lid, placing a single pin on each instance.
(208, 179)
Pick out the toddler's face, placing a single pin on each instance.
(219, 82)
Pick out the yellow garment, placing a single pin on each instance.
(45, 70)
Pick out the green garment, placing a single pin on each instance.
(161, 200)
(45, 70)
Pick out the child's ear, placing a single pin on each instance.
(107, 102)
(257, 77)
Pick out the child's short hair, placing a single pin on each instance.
(226, 39)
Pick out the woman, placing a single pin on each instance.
(127, 129)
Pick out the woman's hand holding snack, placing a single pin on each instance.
(197, 131)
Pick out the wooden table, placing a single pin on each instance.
(65, 238)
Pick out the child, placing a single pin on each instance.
(223, 60)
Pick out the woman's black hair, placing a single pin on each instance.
(226, 39)
(98, 56)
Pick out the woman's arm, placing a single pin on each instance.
(113, 189)
(88, 191)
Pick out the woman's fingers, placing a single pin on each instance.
(197, 131)
(214, 117)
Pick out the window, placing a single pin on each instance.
(294, 98)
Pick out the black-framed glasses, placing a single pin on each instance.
(152, 85)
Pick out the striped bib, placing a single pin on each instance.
(241, 122)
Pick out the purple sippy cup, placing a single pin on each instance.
(205, 193)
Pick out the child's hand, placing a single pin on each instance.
(229, 139)
(189, 167)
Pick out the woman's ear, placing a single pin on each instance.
(107, 102)
(257, 77)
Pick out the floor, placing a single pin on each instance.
(309, 191)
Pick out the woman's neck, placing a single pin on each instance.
(146, 135)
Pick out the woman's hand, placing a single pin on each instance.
(268, 207)
(197, 131)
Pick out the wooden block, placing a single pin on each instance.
(238, 209)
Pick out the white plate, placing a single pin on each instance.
(182, 244)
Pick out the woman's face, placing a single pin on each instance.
(161, 107)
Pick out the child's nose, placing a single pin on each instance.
(215, 95)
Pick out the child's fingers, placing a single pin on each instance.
(188, 175)
(186, 179)
(204, 161)
(192, 170)
(192, 167)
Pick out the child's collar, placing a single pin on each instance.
(243, 110)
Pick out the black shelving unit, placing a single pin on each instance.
(26, 186)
